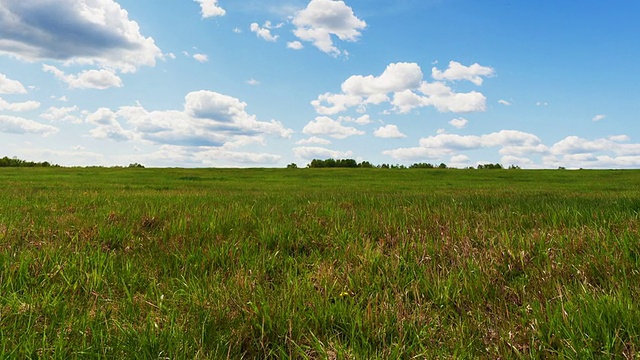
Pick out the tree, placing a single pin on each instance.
(422, 166)
(490, 166)
(15, 162)
(292, 166)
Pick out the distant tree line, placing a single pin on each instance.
(340, 163)
(489, 166)
(351, 163)
(15, 162)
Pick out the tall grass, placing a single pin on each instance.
(313, 264)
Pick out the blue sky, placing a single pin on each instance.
(230, 83)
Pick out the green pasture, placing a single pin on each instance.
(319, 263)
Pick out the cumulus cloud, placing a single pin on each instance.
(621, 156)
(88, 79)
(520, 148)
(210, 8)
(459, 123)
(8, 86)
(313, 152)
(75, 31)
(389, 132)
(402, 85)
(209, 119)
(314, 140)
(63, 114)
(457, 160)
(451, 144)
(331, 104)
(263, 32)
(504, 102)
(361, 120)
(17, 125)
(599, 117)
(201, 58)
(19, 106)
(295, 45)
(323, 19)
(107, 126)
(215, 156)
(457, 71)
(326, 126)
(574, 145)
(396, 77)
(444, 99)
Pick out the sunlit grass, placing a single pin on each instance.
(310, 263)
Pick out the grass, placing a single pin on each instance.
(319, 263)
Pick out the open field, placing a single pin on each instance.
(319, 263)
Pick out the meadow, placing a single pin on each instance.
(319, 263)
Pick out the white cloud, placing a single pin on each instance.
(214, 156)
(336, 103)
(599, 117)
(520, 148)
(20, 106)
(75, 31)
(389, 132)
(361, 120)
(314, 140)
(253, 82)
(17, 125)
(323, 19)
(8, 86)
(504, 102)
(458, 160)
(209, 119)
(88, 79)
(574, 145)
(210, 8)
(63, 114)
(444, 99)
(620, 138)
(451, 144)
(522, 162)
(396, 77)
(108, 126)
(174, 155)
(311, 152)
(263, 32)
(457, 71)
(202, 58)
(326, 126)
(295, 45)
(404, 81)
(459, 123)
(413, 154)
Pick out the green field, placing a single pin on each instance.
(319, 263)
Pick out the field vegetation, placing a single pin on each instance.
(319, 263)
